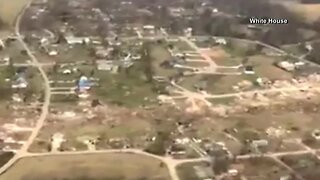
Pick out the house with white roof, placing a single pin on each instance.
(71, 40)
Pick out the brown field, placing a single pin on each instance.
(216, 52)
(10, 9)
(98, 166)
(309, 11)
(264, 67)
(221, 57)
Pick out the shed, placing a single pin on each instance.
(77, 40)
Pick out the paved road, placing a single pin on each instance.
(63, 92)
(296, 44)
(185, 93)
(46, 102)
(174, 162)
(28, 64)
(72, 88)
(278, 154)
(295, 173)
(262, 91)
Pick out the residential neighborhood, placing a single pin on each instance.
(158, 90)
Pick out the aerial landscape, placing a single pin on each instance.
(159, 90)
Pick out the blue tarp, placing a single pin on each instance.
(84, 83)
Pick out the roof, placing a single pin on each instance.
(261, 142)
(148, 27)
(105, 65)
(84, 83)
(20, 82)
(76, 40)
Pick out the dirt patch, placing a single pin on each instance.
(217, 54)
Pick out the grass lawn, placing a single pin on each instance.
(222, 101)
(205, 44)
(197, 64)
(217, 84)
(239, 48)
(295, 49)
(73, 54)
(14, 51)
(94, 167)
(187, 171)
(221, 84)
(4, 33)
(307, 165)
(82, 70)
(159, 54)
(5, 157)
(262, 169)
(129, 90)
(132, 130)
(182, 46)
(5, 87)
(264, 67)
(9, 10)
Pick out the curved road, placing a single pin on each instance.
(23, 151)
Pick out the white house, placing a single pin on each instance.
(2, 45)
(6, 59)
(53, 53)
(77, 40)
(136, 57)
(308, 47)
(260, 143)
(44, 41)
(286, 65)
(20, 83)
(104, 65)
(66, 71)
(188, 32)
(221, 41)
(215, 10)
(299, 63)
(148, 27)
